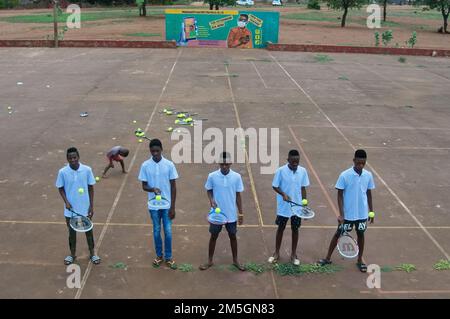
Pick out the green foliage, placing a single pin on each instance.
(8, 4)
(377, 38)
(402, 59)
(442, 265)
(119, 265)
(185, 267)
(412, 40)
(386, 37)
(342, 4)
(313, 5)
(255, 268)
(406, 267)
(322, 58)
(289, 269)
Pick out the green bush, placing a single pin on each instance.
(8, 4)
(313, 5)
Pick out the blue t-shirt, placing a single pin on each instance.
(72, 181)
(158, 175)
(290, 183)
(224, 189)
(355, 189)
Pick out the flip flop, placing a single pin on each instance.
(295, 261)
(362, 267)
(239, 266)
(323, 262)
(157, 261)
(69, 260)
(95, 259)
(205, 266)
(171, 264)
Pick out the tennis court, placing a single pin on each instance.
(323, 105)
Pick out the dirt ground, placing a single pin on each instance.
(397, 111)
(291, 31)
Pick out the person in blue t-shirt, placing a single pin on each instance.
(224, 187)
(72, 182)
(290, 182)
(354, 187)
(158, 176)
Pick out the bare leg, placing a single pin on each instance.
(234, 251)
(212, 247)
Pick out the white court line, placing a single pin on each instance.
(259, 74)
(391, 191)
(374, 127)
(383, 77)
(252, 182)
(122, 186)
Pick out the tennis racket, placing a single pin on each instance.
(158, 202)
(301, 211)
(141, 134)
(346, 245)
(217, 218)
(80, 223)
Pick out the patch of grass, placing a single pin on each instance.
(343, 77)
(402, 59)
(406, 267)
(85, 16)
(442, 265)
(119, 265)
(387, 268)
(186, 267)
(143, 34)
(289, 269)
(255, 268)
(322, 58)
(232, 268)
(421, 66)
(311, 16)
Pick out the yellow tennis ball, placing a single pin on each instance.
(371, 214)
(170, 129)
(177, 121)
(304, 202)
(81, 190)
(9, 108)
(165, 110)
(181, 115)
(189, 119)
(217, 210)
(169, 112)
(140, 140)
(97, 178)
(134, 121)
(158, 197)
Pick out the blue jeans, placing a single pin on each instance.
(156, 216)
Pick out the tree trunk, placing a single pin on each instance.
(217, 7)
(344, 16)
(384, 10)
(211, 6)
(445, 17)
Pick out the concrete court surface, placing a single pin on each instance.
(399, 112)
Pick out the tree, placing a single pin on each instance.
(345, 5)
(384, 9)
(440, 5)
(219, 3)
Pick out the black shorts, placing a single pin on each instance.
(296, 222)
(360, 226)
(230, 227)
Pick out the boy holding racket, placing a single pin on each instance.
(117, 153)
(290, 182)
(224, 187)
(354, 187)
(72, 182)
(158, 176)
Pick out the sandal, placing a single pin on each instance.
(205, 266)
(171, 263)
(95, 259)
(157, 261)
(239, 266)
(323, 262)
(295, 261)
(272, 260)
(362, 267)
(69, 260)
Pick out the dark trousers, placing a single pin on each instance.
(73, 239)
(142, 11)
